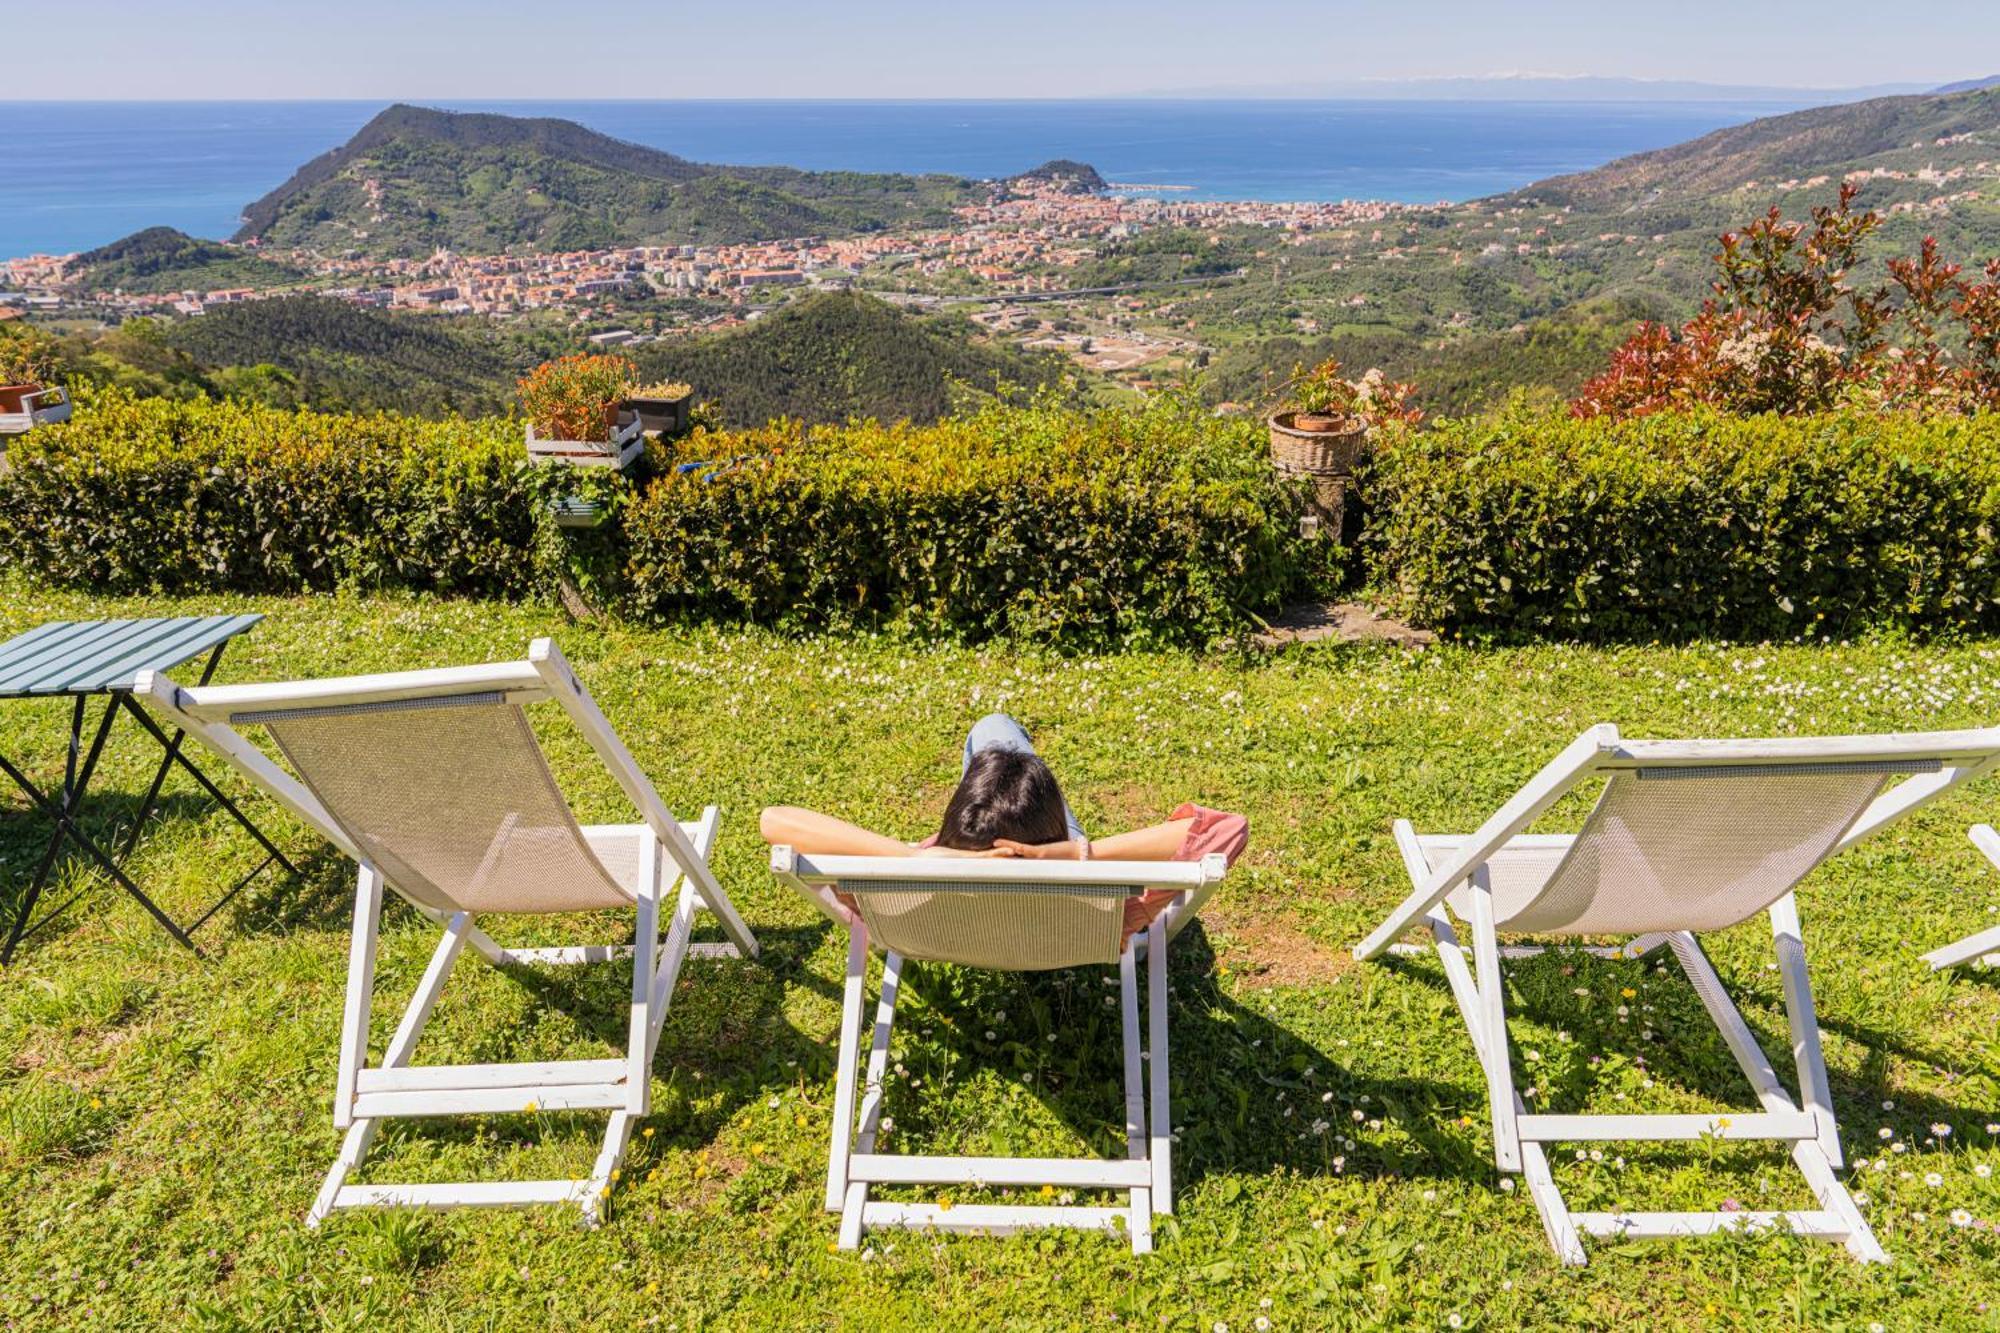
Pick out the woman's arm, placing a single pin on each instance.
(1159, 842)
(810, 831)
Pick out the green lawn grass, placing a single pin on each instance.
(164, 1120)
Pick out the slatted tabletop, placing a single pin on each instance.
(100, 656)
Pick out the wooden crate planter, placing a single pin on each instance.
(661, 416)
(625, 445)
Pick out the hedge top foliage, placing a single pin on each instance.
(1677, 525)
(114, 428)
(1159, 525)
(1169, 444)
(134, 494)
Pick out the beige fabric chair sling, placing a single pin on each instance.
(434, 783)
(1009, 916)
(1686, 837)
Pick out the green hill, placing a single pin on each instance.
(1889, 132)
(414, 179)
(839, 355)
(160, 259)
(326, 354)
(1067, 175)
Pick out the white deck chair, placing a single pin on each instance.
(434, 783)
(1687, 837)
(1012, 916)
(1981, 947)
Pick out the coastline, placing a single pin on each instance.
(88, 173)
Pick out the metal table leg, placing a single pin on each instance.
(76, 782)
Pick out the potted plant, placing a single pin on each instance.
(662, 406)
(573, 408)
(1321, 429)
(1317, 429)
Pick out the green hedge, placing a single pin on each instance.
(1674, 527)
(1157, 526)
(137, 494)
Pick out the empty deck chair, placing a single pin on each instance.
(434, 783)
(1686, 837)
(1982, 947)
(1012, 916)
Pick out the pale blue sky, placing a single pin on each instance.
(440, 49)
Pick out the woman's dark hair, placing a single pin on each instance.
(1004, 794)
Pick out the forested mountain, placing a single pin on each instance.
(160, 259)
(839, 355)
(414, 179)
(326, 354)
(1889, 132)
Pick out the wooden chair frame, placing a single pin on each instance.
(1807, 1124)
(1144, 1175)
(365, 1096)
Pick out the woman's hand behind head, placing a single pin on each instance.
(1069, 849)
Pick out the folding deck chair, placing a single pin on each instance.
(1982, 947)
(1010, 916)
(434, 783)
(1686, 837)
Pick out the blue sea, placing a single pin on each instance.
(78, 174)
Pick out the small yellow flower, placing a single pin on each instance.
(531, 1106)
(616, 1172)
(653, 1175)
(1722, 1122)
(833, 1247)
(944, 1203)
(800, 1120)
(1048, 1191)
(1628, 993)
(646, 1133)
(604, 1193)
(652, 1288)
(96, 1103)
(756, 1150)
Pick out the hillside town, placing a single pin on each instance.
(1021, 242)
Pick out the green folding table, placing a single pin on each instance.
(76, 659)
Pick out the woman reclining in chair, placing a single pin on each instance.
(1008, 804)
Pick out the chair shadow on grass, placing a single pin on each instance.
(1250, 1095)
(1687, 1052)
(725, 1042)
